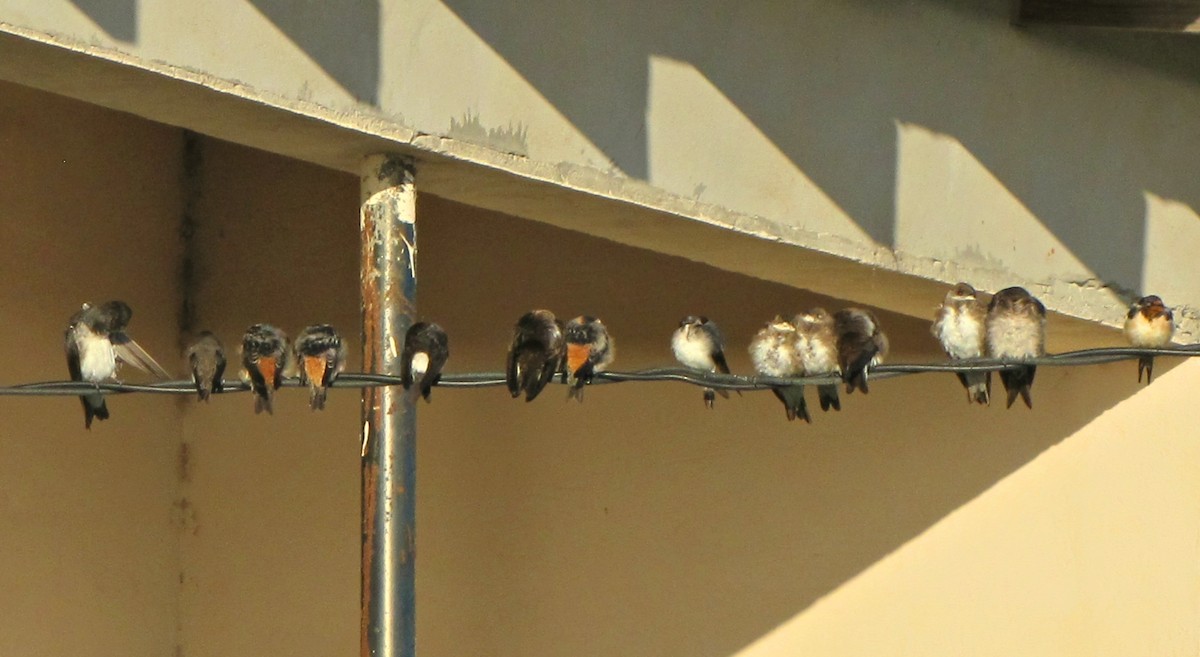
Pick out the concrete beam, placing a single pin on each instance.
(571, 196)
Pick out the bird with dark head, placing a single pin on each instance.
(589, 350)
(264, 357)
(426, 349)
(206, 357)
(1149, 324)
(960, 325)
(1016, 331)
(816, 347)
(96, 343)
(861, 345)
(773, 352)
(320, 358)
(536, 352)
(699, 345)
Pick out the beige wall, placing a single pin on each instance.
(636, 523)
(89, 211)
(928, 138)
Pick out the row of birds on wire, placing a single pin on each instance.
(845, 344)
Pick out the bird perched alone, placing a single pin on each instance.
(698, 345)
(264, 357)
(426, 349)
(206, 357)
(861, 345)
(1149, 324)
(589, 350)
(960, 325)
(1016, 330)
(816, 347)
(96, 342)
(320, 357)
(773, 352)
(535, 354)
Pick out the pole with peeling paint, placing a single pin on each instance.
(389, 293)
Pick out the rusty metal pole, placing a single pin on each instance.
(389, 294)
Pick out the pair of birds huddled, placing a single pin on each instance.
(318, 356)
(542, 346)
(1012, 326)
(96, 342)
(847, 344)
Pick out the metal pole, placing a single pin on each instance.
(389, 292)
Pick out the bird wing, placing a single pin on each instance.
(511, 367)
(128, 351)
(219, 375)
(718, 357)
(73, 355)
(434, 372)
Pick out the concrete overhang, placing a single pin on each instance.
(570, 196)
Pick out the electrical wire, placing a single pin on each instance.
(693, 377)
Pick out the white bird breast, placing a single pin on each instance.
(772, 358)
(960, 335)
(693, 352)
(818, 357)
(1148, 333)
(97, 362)
(1014, 337)
(420, 363)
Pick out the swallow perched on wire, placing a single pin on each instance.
(1149, 324)
(320, 358)
(264, 357)
(1016, 330)
(960, 325)
(698, 345)
(426, 349)
(96, 342)
(589, 350)
(206, 357)
(773, 352)
(816, 347)
(861, 345)
(536, 353)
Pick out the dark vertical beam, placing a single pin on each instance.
(389, 294)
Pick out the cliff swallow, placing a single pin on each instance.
(589, 350)
(773, 352)
(1149, 324)
(264, 356)
(96, 342)
(426, 348)
(206, 357)
(536, 353)
(816, 347)
(320, 357)
(960, 325)
(1016, 330)
(861, 345)
(698, 345)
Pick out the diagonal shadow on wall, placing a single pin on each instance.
(638, 523)
(118, 18)
(827, 82)
(341, 37)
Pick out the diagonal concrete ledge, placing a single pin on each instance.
(570, 196)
